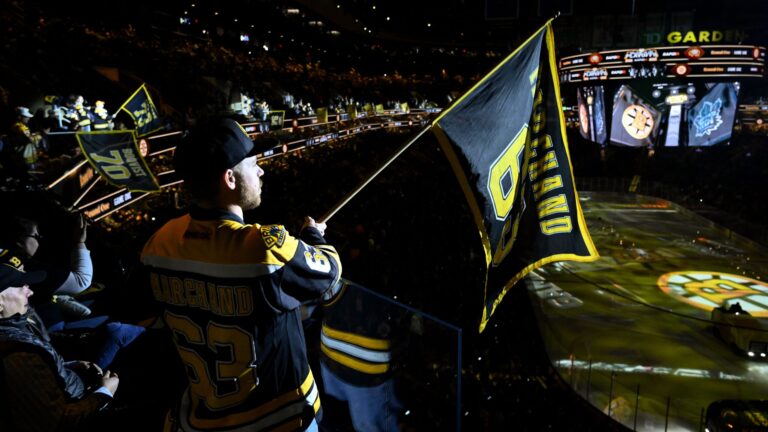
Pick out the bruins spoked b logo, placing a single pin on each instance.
(637, 121)
(708, 290)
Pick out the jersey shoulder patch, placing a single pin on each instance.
(273, 235)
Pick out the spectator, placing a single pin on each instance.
(39, 390)
(60, 311)
(76, 114)
(226, 283)
(23, 141)
(101, 119)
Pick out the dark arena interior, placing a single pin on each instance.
(598, 166)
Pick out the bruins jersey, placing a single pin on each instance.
(230, 293)
(356, 337)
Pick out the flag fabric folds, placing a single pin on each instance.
(505, 139)
(143, 112)
(115, 155)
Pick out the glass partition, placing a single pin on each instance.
(425, 355)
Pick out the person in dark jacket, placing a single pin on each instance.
(39, 391)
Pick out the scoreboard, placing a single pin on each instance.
(705, 61)
(673, 96)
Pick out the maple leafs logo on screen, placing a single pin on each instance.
(708, 119)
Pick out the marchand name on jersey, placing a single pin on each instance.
(219, 299)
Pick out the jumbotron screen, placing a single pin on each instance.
(664, 97)
(668, 114)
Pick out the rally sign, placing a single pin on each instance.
(143, 112)
(115, 155)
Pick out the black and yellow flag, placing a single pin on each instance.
(115, 155)
(322, 115)
(143, 112)
(352, 110)
(276, 119)
(505, 139)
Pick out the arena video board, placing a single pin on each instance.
(591, 106)
(664, 96)
(634, 120)
(706, 61)
(658, 114)
(710, 121)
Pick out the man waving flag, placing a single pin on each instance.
(506, 142)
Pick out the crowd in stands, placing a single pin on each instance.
(214, 75)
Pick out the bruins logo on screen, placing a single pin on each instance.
(708, 290)
(637, 121)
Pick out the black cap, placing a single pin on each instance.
(214, 146)
(12, 275)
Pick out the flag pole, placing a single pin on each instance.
(365, 182)
(404, 147)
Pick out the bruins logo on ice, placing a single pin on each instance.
(708, 290)
(637, 121)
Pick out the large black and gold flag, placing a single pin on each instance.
(143, 112)
(115, 155)
(505, 139)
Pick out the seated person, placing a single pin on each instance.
(58, 310)
(39, 391)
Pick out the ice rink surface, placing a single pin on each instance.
(632, 332)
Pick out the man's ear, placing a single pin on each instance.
(229, 179)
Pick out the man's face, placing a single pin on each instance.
(30, 242)
(15, 300)
(249, 183)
